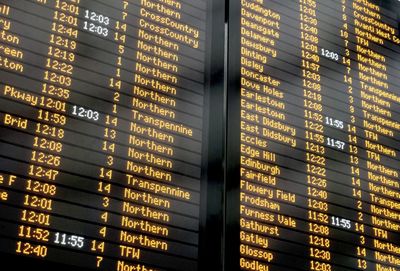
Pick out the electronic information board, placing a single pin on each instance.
(127, 144)
(103, 132)
(313, 135)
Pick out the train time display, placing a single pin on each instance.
(315, 118)
(102, 112)
(108, 108)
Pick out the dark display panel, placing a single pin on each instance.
(104, 132)
(313, 135)
(112, 135)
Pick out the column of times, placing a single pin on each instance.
(315, 140)
(51, 119)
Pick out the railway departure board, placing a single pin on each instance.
(313, 135)
(190, 135)
(104, 132)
